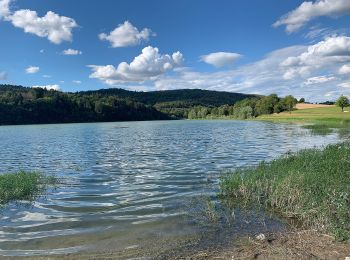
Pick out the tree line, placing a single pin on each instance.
(246, 108)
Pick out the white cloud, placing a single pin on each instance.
(264, 76)
(344, 84)
(220, 59)
(46, 76)
(4, 8)
(3, 75)
(52, 26)
(147, 66)
(32, 70)
(261, 76)
(318, 80)
(126, 35)
(76, 81)
(323, 54)
(345, 69)
(72, 52)
(308, 11)
(48, 87)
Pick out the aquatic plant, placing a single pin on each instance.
(311, 187)
(23, 186)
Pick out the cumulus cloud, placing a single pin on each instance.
(345, 69)
(220, 59)
(48, 87)
(3, 75)
(147, 66)
(308, 11)
(32, 70)
(126, 35)
(72, 52)
(52, 26)
(323, 54)
(316, 80)
(263, 76)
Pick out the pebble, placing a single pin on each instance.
(260, 237)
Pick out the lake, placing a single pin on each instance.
(126, 183)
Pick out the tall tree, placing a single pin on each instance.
(342, 102)
(290, 102)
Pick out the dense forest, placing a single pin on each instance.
(23, 105)
(20, 105)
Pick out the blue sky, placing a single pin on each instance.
(284, 47)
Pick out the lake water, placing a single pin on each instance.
(127, 182)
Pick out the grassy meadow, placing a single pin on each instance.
(330, 115)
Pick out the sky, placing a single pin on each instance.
(249, 46)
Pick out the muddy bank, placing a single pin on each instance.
(306, 244)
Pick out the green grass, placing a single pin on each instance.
(312, 187)
(23, 186)
(325, 115)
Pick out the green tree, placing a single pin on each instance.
(290, 102)
(266, 104)
(342, 102)
(302, 100)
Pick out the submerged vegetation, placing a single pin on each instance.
(310, 187)
(23, 186)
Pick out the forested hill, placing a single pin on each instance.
(176, 103)
(192, 96)
(22, 105)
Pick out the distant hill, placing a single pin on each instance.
(194, 96)
(23, 105)
(176, 103)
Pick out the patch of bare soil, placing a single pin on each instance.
(291, 245)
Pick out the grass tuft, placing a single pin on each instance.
(311, 187)
(23, 186)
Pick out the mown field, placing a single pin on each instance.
(326, 115)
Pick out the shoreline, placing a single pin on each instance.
(291, 244)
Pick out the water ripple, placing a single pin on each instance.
(119, 178)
